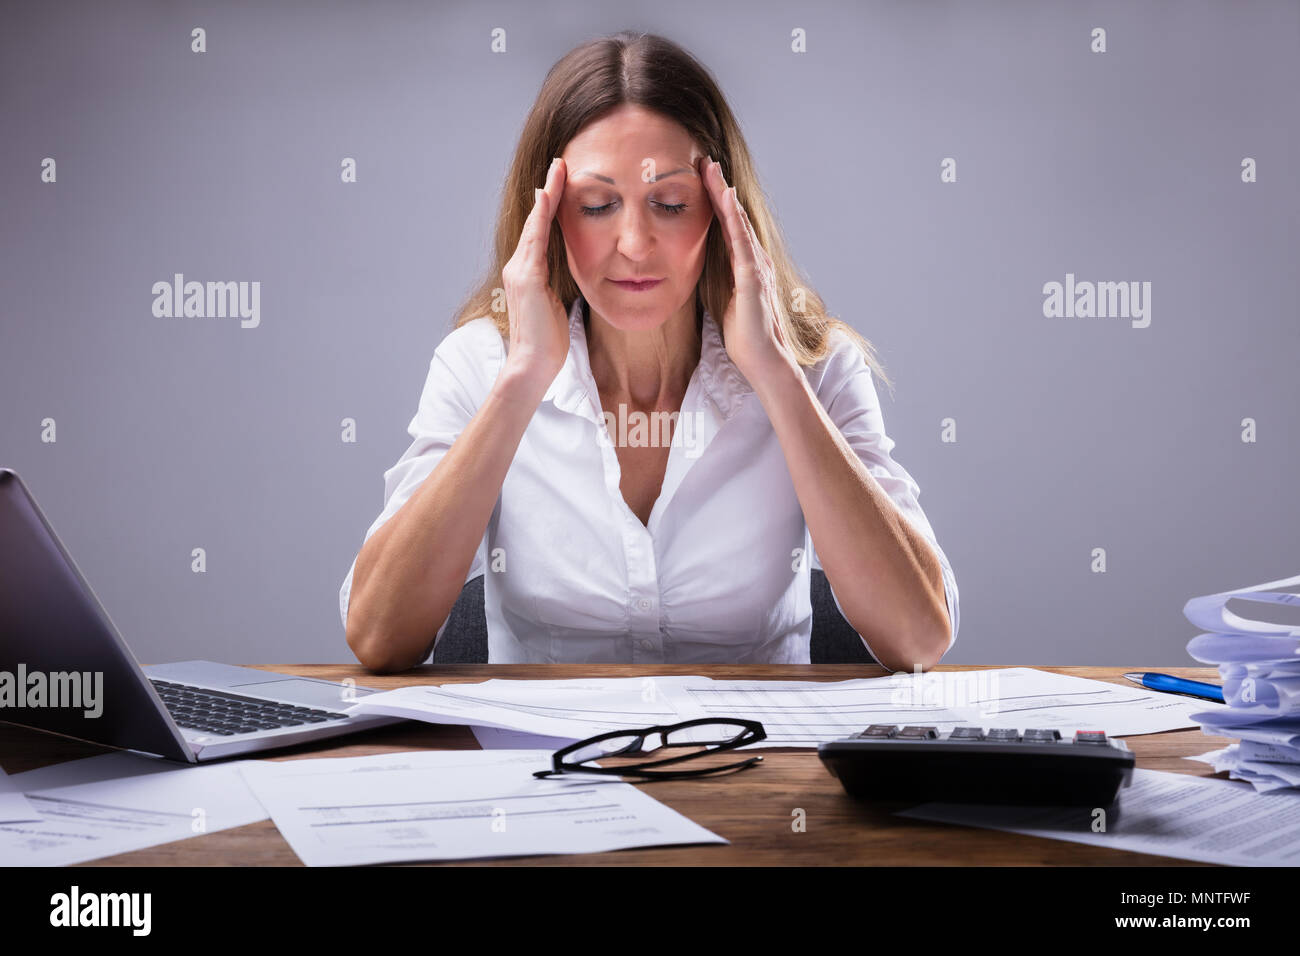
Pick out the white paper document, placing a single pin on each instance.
(1258, 766)
(797, 713)
(14, 807)
(495, 738)
(1243, 648)
(456, 805)
(1165, 814)
(1210, 612)
(572, 709)
(804, 713)
(1259, 662)
(118, 802)
(1265, 744)
(1262, 687)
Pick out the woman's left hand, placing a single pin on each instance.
(753, 337)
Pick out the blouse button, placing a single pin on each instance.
(643, 604)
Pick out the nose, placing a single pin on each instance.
(635, 232)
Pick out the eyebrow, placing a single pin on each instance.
(606, 179)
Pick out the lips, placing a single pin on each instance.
(636, 285)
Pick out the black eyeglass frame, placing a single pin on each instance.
(751, 732)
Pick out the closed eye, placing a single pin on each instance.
(676, 209)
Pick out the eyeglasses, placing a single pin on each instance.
(712, 733)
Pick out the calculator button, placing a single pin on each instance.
(1048, 735)
(1090, 736)
(1003, 733)
(967, 733)
(880, 730)
(922, 733)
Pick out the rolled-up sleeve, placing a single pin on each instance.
(460, 373)
(848, 393)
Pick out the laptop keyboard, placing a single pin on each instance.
(224, 714)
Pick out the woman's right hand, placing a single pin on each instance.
(539, 324)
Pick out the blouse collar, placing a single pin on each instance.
(722, 380)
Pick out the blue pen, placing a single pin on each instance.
(1178, 685)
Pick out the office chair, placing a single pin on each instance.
(833, 641)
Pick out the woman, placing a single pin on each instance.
(637, 481)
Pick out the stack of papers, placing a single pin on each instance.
(388, 808)
(548, 714)
(1259, 662)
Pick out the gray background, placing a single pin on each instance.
(1072, 433)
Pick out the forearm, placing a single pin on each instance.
(887, 577)
(410, 572)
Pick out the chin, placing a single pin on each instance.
(633, 311)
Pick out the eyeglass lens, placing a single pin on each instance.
(700, 735)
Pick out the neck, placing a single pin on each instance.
(647, 368)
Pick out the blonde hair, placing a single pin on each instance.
(652, 72)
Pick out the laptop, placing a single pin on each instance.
(65, 669)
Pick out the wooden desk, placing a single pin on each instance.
(751, 808)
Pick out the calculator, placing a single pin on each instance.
(971, 765)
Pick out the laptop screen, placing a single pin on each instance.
(63, 666)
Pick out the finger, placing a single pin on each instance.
(764, 272)
(733, 228)
(760, 254)
(710, 180)
(537, 227)
(556, 179)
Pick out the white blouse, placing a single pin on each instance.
(721, 572)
